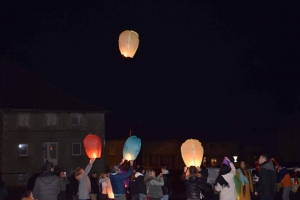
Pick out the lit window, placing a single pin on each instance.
(76, 149)
(23, 149)
(204, 161)
(213, 162)
(24, 120)
(112, 151)
(76, 119)
(51, 119)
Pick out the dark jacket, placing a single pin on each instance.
(47, 186)
(192, 184)
(73, 185)
(267, 180)
(132, 187)
(166, 188)
(3, 191)
(94, 185)
(204, 176)
(140, 184)
(154, 187)
(117, 181)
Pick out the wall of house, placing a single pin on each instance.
(16, 169)
(114, 152)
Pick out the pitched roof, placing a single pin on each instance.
(21, 89)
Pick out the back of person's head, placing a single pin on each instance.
(193, 170)
(78, 171)
(224, 169)
(113, 169)
(165, 167)
(140, 169)
(48, 166)
(265, 156)
(148, 175)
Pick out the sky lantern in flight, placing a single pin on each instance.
(128, 43)
(192, 152)
(132, 148)
(93, 146)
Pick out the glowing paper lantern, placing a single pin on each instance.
(93, 146)
(132, 148)
(128, 43)
(192, 152)
(126, 181)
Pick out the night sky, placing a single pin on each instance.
(219, 68)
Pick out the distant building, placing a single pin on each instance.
(288, 138)
(159, 153)
(40, 122)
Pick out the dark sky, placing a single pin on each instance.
(201, 66)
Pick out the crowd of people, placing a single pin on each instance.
(143, 184)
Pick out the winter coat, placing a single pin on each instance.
(84, 186)
(47, 186)
(267, 180)
(154, 187)
(192, 184)
(132, 187)
(166, 188)
(73, 185)
(117, 182)
(228, 193)
(140, 184)
(94, 185)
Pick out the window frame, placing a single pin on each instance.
(74, 143)
(29, 120)
(51, 114)
(74, 115)
(27, 148)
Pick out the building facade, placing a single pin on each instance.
(40, 122)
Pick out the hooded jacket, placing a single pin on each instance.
(117, 182)
(47, 186)
(140, 183)
(267, 180)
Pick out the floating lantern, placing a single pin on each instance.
(192, 152)
(131, 148)
(128, 43)
(93, 146)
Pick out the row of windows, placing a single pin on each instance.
(51, 119)
(50, 150)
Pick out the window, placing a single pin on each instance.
(50, 150)
(51, 119)
(212, 146)
(24, 120)
(165, 160)
(204, 161)
(153, 160)
(76, 149)
(76, 119)
(23, 149)
(112, 151)
(213, 162)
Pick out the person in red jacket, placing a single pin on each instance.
(285, 179)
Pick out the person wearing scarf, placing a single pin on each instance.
(225, 182)
(81, 175)
(245, 178)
